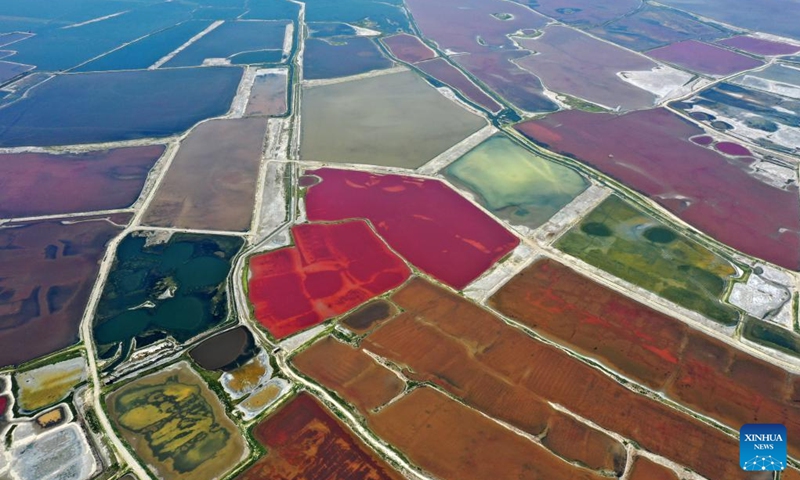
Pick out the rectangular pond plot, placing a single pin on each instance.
(451, 440)
(653, 27)
(387, 16)
(394, 120)
(583, 13)
(175, 286)
(230, 39)
(447, 321)
(269, 94)
(33, 184)
(46, 385)
(473, 25)
(516, 85)
(461, 242)
(689, 367)
(143, 53)
(572, 62)
(350, 372)
(629, 244)
(427, 345)
(645, 469)
(49, 269)
(408, 48)
(177, 425)
(759, 46)
(211, 183)
(650, 152)
(446, 73)
(304, 440)
(57, 49)
(515, 184)
(341, 57)
(332, 269)
(704, 58)
(763, 108)
(116, 106)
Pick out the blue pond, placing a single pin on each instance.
(147, 51)
(341, 56)
(114, 106)
(232, 38)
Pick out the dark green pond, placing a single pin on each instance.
(177, 288)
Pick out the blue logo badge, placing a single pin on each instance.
(762, 446)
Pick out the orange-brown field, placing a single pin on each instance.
(350, 372)
(644, 469)
(436, 320)
(304, 441)
(427, 341)
(690, 367)
(453, 441)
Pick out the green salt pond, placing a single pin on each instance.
(515, 184)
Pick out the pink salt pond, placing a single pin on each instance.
(730, 148)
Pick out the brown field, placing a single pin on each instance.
(350, 372)
(790, 474)
(453, 441)
(436, 320)
(645, 469)
(366, 317)
(211, 183)
(416, 341)
(304, 441)
(690, 367)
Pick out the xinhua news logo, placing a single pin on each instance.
(762, 446)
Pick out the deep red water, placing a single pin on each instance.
(331, 269)
(731, 148)
(425, 221)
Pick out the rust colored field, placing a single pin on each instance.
(332, 268)
(457, 367)
(644, 469)
(350, 372)
(408, 48)
(790, 474)
(454, 441)
(33, 184)
(690, 367)
(211, 183)
(446, 73)
(650, 151)
(460, 241)
(48, 272)
(304, 441)
(367, 317)
(436, 320)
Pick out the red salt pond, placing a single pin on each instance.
(408, 48)
(650, 152)
(3, 405)
(704, 58)
(424, 220)
(703, 140)
(734, 149)
(331, 269)
(759, 46)
(33, 184)
(446, 73)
